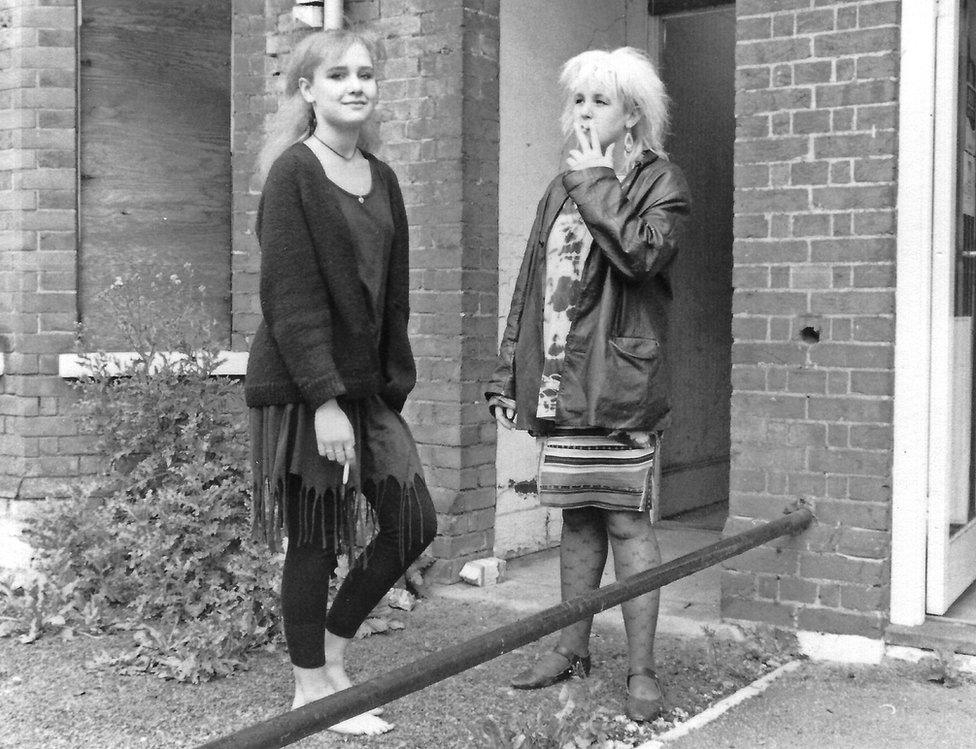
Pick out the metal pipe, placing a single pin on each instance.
(297, 724)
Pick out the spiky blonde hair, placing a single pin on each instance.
(634, 78)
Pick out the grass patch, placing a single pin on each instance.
(51, 699)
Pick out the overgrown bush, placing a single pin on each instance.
(159, 543)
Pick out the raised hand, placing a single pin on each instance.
(589, 154)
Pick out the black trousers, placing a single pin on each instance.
(407, 524)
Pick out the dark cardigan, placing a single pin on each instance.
(319, 338)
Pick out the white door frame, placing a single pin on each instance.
(951, 556)
(926, 147)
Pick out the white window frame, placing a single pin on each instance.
(73, 366)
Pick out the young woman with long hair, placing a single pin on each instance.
(331, 364)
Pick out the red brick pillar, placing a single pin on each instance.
(255, 60)
(439, 131)
(813, 309)
(37, 244)
(458, 286)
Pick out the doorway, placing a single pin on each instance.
(696, 56)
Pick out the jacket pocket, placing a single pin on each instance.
(640, 349)
(626, 390)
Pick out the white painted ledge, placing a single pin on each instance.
(15, 552)
(72, 366)
(823, 646)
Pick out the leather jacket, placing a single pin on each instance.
(615, 372)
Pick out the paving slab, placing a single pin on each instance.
(688, 606)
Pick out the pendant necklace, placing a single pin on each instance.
(360, 198)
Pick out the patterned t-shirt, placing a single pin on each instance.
(566, 250)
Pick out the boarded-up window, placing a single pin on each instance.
(155, 148)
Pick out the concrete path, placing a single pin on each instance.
(531, 583)
(823, 706)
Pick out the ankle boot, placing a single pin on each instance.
(547, 671)
(642, 708)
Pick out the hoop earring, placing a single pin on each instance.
(628, 142)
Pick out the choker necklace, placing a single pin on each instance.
(337, 153)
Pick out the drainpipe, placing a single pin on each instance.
(332, 14)
(326, 14)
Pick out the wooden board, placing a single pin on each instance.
(155, 147)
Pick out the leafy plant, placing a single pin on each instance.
(159, 543)
(568, 728)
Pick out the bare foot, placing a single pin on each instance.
(340, 680)
(362, 725)
(335, 666)
(312, 684)
(358, 725)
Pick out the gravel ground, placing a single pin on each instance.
(48, 698)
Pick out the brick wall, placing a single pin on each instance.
(255, 60)
(813, 308)
(39, 447)
(439, 131)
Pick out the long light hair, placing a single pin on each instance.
(634, 78)
(295, 118)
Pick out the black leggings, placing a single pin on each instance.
(407, 524)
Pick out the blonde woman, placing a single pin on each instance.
(582, 362)
(331, 364)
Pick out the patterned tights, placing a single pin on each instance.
(582, 557)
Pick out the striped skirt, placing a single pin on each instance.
(593, 469)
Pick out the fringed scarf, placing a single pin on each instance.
(285, 460)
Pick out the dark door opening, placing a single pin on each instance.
(698, 67)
